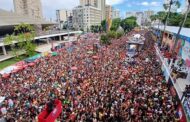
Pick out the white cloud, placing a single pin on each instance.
(150, 4)
(155, 4)
(145, 3)
(114, 2)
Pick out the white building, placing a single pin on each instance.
(86, 16)
(115, 13)
(100, 4)
(63, 16)
(186, 6)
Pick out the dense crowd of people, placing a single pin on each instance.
(103, 87)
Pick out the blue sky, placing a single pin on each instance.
(50, 6)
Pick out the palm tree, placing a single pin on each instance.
(182, 24)
(168, 7)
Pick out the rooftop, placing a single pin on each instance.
(174, 29)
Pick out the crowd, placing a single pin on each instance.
(104, 87)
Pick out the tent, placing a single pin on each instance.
(33, 58)
(44, 116)
(54, 54)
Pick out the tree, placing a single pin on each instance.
(104, 40)
(112, 35)
(129, 23)
(168, 7)
(182, 24)
(9, 40)
(115, 24)
(24, 36)
(103, 25)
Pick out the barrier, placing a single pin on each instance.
(44, 116)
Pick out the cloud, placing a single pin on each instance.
(114, 2)
(155, 3)
(150, 4)
(145, 3)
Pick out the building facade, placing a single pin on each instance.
(63, 16)
(115, 14)
(129, 14)
(86, 16)
(109, 10)
(31, 8)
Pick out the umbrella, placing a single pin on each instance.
(15, 71)
(95, 57)
(6, 76)
(54, 54)
(31, 64)
(73, 68)
(90, 52)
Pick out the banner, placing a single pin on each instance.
(185, 52)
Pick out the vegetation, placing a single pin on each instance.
(115, 24)
(103, 25)
(24, 35)
(129, 23)
(95, 28)
(105, 40)
(11, 61)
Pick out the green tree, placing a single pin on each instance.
(24, 36)
(9, 40)
(115, 24)
(129, 23)
(168, 7)
(112, 34)
(103, 25)
(104, 40)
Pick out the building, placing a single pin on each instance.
(86, 16)
(100, 4)
(115, 14)
(64, 16)
(148, 13)
(89, 2)
(108, 10)
(140, 17)
(31, 8)
(129, 14)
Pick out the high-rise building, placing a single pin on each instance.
(89, 2)
(31, 8)
(115, 14)
(109, 10)
(63, 17)
(86, 16)
(100, 4)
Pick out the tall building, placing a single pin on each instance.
(31, 8)
(89, 2)
(63, 16)
(115, 14)
(86, 16)
(103, 7)
(108, 11)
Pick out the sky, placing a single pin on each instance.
(50, 6)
